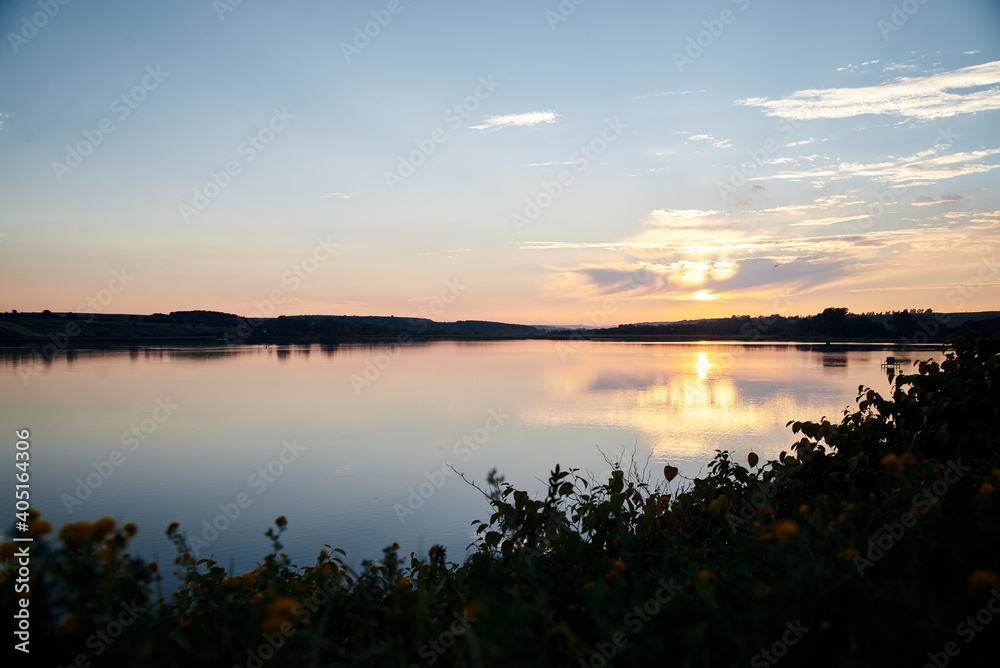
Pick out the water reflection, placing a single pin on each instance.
(703, 365)
(366, 445)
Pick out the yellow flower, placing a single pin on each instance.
(705, 575)
(766, 509)
(893, 462)
(39, 528)
(589, 586)
(475, 608)
(850, 553)
(804, 510)
(75, 534)
(785, 529)
(986, 489)
(257, 598)
(982, 579)
(281, 521)
(130, 529)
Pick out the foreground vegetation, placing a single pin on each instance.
(874, 540)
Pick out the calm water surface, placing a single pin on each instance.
(350, 442)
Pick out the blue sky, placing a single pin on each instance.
(714, 158)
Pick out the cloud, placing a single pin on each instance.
(338, 195)
(989, 218)
(671, 92)
(684, 214)
(714, 141)
(919, 169)
(947, 198)
(529, 118)
(923, 98)
(819, 222)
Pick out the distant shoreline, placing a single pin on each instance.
(49, 332)
(124, 342)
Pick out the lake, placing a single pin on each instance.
(351, 442)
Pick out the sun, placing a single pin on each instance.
(703, 295)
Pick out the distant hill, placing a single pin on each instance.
(60, 329)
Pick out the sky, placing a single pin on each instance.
(579, 162)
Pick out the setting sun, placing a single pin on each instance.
(703, 295)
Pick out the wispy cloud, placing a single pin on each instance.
(670, 92)
(528, 118)
(988, 218)
(923, 98)
(684, 214)
(921, 168)
(820, 222)
(854, 68)
(339, 195)
(714, 141)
